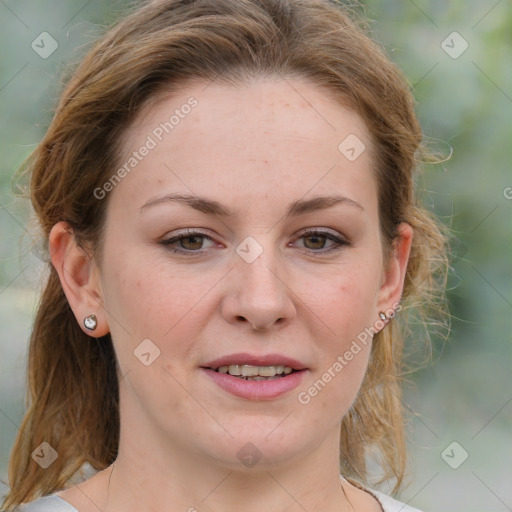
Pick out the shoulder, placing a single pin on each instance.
(389, 504)
(51, 503)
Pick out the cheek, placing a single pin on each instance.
(337, 380)
(346, 308)
(148, 299)
(345, 303)
(145, 296)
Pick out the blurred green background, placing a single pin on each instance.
(464, 101)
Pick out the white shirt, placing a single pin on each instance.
(54, 503)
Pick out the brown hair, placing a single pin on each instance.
(73, 386)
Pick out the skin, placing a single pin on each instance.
(254, 148)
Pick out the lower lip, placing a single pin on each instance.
(256, 389)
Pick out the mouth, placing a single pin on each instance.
(253, 372)
(256, 377)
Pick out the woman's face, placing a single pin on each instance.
(280, 264)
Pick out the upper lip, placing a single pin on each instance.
(255, 360)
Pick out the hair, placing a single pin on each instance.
(159, 46)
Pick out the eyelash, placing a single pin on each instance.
(314, 232)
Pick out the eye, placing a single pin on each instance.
(314, 240)
(187, 242)
(191, 242)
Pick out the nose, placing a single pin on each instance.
(259, 294)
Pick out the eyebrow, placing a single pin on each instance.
(212, 207)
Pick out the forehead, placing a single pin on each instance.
(265, 138)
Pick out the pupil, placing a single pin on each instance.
(197, 244)
(319, 238)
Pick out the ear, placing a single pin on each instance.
(79, 277)
(392, 284)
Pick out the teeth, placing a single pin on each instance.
(247, 370)
(267, 371)
(234, 369)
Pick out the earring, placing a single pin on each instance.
(383, 316)
(91, 322)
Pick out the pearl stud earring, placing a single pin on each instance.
(91, 322)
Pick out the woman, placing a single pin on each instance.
(226, 192)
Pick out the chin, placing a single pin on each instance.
(258, 447)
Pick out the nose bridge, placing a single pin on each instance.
(261, 295)
(262, 275)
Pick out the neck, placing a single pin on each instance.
(177, 480)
